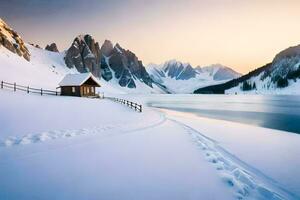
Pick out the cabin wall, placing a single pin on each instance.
(87, 90)
(67, 91)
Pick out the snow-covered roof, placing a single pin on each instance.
(77, 79)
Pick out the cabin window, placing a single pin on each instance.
(92, 89)
(73, 89)
(88, 90)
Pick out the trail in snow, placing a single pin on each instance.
(52, 135)
(246, 183)
(118, 129)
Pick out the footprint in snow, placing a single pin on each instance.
(234, 177)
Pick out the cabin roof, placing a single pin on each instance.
(78, 79)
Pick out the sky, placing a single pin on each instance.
(241, 34)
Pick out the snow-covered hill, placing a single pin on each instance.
(219, 72)
(281, 77)
(180, 77)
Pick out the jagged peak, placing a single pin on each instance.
(106, 41)
(2, 21)
(52, 47)
(118, 48)
(198, 69)
(80, 37)
(11, 40)
(83, 38)
(174, 61)
(107, 47)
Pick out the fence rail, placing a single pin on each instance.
(27, 89)
(130, 104)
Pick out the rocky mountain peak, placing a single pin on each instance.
(107, 48)
(12, 41)
(118, 48)
(84, 54)
(127, 67)
(179, 70)
(52, 47)
(198, 69)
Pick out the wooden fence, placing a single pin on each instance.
(27, 89)
(130, 104)
(15, 87)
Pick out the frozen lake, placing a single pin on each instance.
(276, 112)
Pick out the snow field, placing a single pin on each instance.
(120, 154)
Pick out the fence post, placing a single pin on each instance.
(140, 108)
(1, 84)
(27, 89)
(56, 92)
(41, 91)
(15, 87)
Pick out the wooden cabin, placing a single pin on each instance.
(81, 85)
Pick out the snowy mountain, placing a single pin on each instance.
(178, 77)
(178, 70)
(220, 72)
(84, 55)
(109, 62)
(123, 65)
(281, 76)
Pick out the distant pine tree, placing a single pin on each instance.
(282, 82)
(254, 86)
(294, 74)
(246, 86)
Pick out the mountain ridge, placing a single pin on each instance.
(180, 77)
(274, 77)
